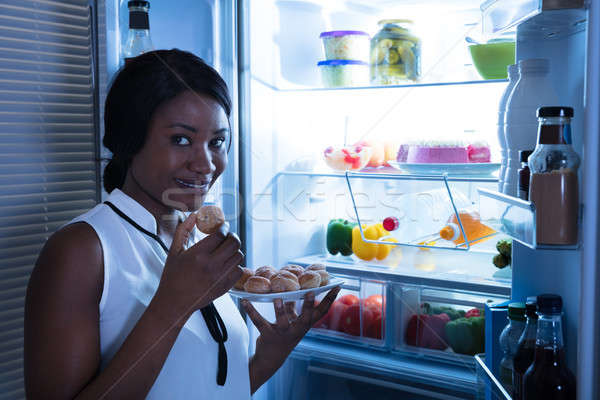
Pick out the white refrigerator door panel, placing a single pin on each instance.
(589, 324)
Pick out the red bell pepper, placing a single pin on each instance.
(427, 331)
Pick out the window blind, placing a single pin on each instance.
(48, 148)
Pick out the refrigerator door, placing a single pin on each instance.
(588, 363)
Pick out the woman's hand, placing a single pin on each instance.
(277, 340)
(192, 278)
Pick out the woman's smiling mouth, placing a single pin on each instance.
(203, 185)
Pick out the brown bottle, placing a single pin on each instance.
(525, 348)
(548, 378)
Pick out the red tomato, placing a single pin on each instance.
(375, 328)
(375, 300)
(350, 323)
(334, 316)
(348, 299)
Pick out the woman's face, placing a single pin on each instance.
(184, 153)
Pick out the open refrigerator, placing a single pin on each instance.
(279, 195)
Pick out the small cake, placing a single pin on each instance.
(347, 158)
(437, 152)
(479, 152)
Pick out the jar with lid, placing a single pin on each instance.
(524, 174)
(553, 186)
(395, 53)
(509, 341)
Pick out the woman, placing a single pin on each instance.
(118, 306)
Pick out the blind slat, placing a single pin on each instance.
(77, 8)
(32, 188)
(46, 157)
(8, 273)
(45, 77)
(6, 138)
(29, 148)
(16, 252)
(50, 57)
(37, 198)
(10, 179)
(35, 219)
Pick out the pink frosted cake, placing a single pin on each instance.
(437, 153)
(443, 152)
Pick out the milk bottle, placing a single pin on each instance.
(513, 76)
(532, 90)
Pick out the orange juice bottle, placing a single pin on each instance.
(475, 230)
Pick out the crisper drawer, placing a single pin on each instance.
(440, 322)
(357, 315)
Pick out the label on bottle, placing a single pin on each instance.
(138, 20)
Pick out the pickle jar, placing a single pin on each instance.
(395, 53)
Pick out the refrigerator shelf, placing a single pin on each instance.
(449, 275)
(502, 15)
(514, 217)
(364, 88)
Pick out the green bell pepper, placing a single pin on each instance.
(451, 312)
(339, 237)
(466, 335)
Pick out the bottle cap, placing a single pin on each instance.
(534, 65)
(516, 311)
(138, 3)
(531, 307)
(549, 304)
(524, 155)
(554, 111)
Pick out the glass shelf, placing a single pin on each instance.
(433, 268)
(363, 88)
(514, 217)
(488, 387)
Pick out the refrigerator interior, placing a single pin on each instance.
(291, 195)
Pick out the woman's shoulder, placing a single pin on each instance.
(72, 256)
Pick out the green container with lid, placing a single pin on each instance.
(395, 56)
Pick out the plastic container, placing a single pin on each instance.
(346, 45)
(532, 90)
(395, 53)
(509, 341)
(513, 76)
(344, 73)
(357, 314)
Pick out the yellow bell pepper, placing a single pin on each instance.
(368, 251)
(383, 250)
(363, 250)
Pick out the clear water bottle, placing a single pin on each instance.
(532, 90)
(513, 76)
(138, 37)
(509, 341)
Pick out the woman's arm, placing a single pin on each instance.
(62, 344)
(277, 340)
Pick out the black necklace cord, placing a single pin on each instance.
(211, 316)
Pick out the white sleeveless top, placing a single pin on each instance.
(133, 264)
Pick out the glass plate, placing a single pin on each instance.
(470, 169)
(285, 296)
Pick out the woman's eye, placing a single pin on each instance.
(217, 142)
(180, 140)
